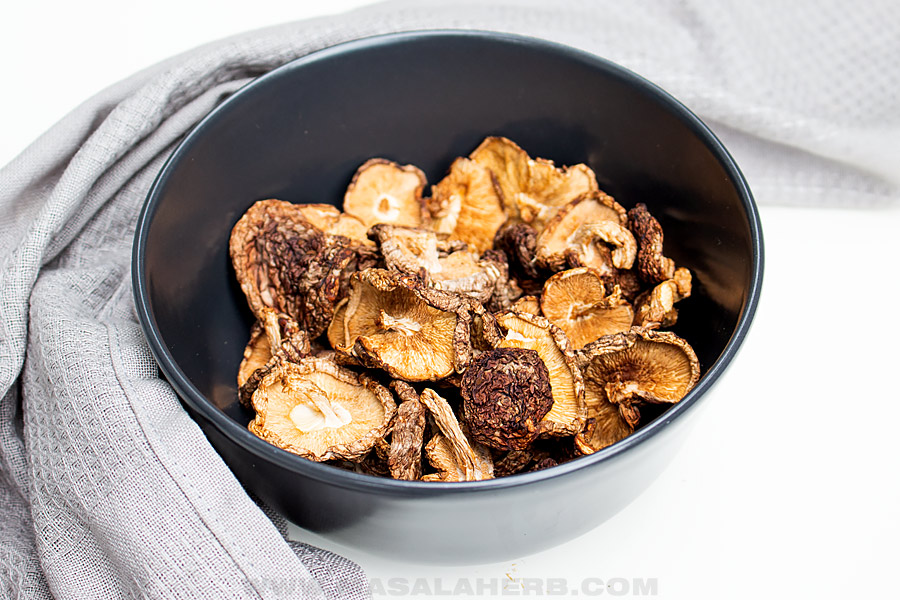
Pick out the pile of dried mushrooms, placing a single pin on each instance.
(508, 322)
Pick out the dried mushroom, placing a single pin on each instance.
(652, 265)
(566, 415)
(656, 308)
(466, 205)
(285, 263)
(564, 235)
(506, 392)
(451, 452)
(392, 322)
(321, 411)
(407, 436)
(639, 367)
(576, 301)
(531, 299)
(382, 191)
(531, 189)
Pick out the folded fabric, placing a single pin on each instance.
(109, 490)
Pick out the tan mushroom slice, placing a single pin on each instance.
(566, 415)
(576, 301)
(605, 425)
(404, 455)
(455, 456)
(321, 411)
(410, 250)
(382, 191)
(564, 234)
(617, 238)
(334, 222)
(466, 205)
(286, 264)
(531, 188)
(394, 323)
(653, 267)
(638, 367)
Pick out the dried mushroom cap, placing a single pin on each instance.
(531, 189)
(382, 191)
(651, 264)
(466, 205)
(563, 232)
(576, 301)
(622, 245)
(321, 411)
(392, 322)
(656, 307)
(410, 250)
(285, 263)
(455, 457)
(518, 242)
(506, 392)
(280, 339)
(407, 436)
(528, 304)
(638, 367)
(566, 415)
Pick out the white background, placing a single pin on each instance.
(788, 485)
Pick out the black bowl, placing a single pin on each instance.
(299, 132)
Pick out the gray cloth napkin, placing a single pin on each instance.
(109, 490)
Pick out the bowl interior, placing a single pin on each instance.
(300, 132)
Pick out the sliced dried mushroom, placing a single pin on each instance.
(651, 264)
(321, 411)
(566, 415)
(506, 393)
(466, 205)
(392, 322)
(451, 452)
(382, 191)
(564, 235)
(531, 188)
(576, 301)
(286, 264)
(407, 436)
(639, 367)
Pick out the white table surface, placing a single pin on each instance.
(789, 485)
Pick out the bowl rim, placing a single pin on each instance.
(263, 450)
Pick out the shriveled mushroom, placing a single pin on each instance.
(532, 189)
(334, 222)
(506, 392)
(639, 367)
(656, 307)
(256, 354)
(321, 411)
(576, 301)
(277, 338)
(285, 263)
(566, 415)
(454, 456)
(651, 264)
(591, 236)
(518, 242)
(407, 436)
(564, 234)
(466, 205)
(382, 191)
(410, 250)
(391, 321)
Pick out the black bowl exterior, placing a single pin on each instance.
(298, 134)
